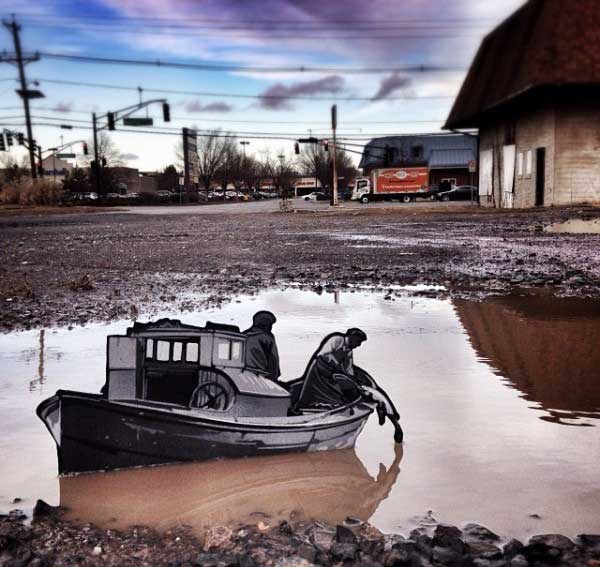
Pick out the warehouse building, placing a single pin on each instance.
(447, 156)
(532, 91)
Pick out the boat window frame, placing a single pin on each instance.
(150, 355)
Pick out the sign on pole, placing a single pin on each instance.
(138, 121)
(191, 164)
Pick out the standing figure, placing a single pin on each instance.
(334, 356)
(261, 348)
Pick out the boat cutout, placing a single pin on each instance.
(180, 393)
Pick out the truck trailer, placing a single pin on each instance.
(404, 183)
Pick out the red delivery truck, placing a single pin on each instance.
(404, 183)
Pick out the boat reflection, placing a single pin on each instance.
(327, 485)
(546, 347)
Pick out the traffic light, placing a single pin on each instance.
(21, 138)
(2, 146)
(111, 120)
(166, 112)
(85, 149)
(9, 139)
(296, 148)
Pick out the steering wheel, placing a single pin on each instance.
(210, 395)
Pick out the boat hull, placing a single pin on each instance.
(95, 434)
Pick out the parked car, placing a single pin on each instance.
(165, 196)
(131, 196)
(114, 196)
(460, 193)
(316, 196)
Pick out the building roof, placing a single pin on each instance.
(546, 43)
(455, 157)
(418, 149)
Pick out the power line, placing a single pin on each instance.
(194, 117)
(239, 95)
(248, 68)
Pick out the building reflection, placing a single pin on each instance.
(546, 347)
(328, 485)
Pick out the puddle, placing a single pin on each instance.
(499, 399)
(575, 226)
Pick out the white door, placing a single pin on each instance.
(509, 156)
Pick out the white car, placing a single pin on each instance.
(316, 196)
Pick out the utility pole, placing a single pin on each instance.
(96, 154)
(334, 194)
(23, 92)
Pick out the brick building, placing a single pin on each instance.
(447, 156)
(532, 91)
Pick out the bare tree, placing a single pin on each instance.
(107, 150)
(212, 151)
(316, 162)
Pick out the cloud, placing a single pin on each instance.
(129, 157)
(63, 106)
(391, 84)
(197, 106)
(278, 96)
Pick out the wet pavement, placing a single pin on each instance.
(498, 401)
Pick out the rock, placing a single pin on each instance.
(448, 537)
(450, 557)
(519, 561)
(322, 538)
(512, 548)
(556, 541)
(396, 558)
(475, 531)
(44, 510)
(344, 551)
(246, 561)
(590, 540)
(344, 535)
(219, 538)
(368, 563)
(15, 563)
(97, 550)
(484, 550)
(307, 551)
(292, 561)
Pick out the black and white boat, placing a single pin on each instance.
(177, 392)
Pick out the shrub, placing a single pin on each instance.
(27, 192)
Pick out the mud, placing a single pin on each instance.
(73, 268)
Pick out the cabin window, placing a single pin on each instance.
(362, 184)
(191, 352)
(162, 351)
(149, 348)
(229, 349)
(177, 351)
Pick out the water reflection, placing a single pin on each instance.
(322, 486)
(39, 379)
(546, 347)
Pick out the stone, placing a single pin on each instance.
(519, 561)
(450, 557)
(344, 535)
(97, 550)
(556, 541)
(292, 561)
(590, 540)
(449, 537)
(512, 548)
(307, 551)
(344, 551)
(322, 538)
(397, 557)
(484, 550)
(246, 561)
(475, 531)
(218, 537)
(44, 510)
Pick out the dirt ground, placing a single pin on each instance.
(73, 268)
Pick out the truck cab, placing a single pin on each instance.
(362, 186)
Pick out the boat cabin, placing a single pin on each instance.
(168, 363)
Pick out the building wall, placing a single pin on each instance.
(528, 131)
(570, 133)
(462, 176)
(577, 165)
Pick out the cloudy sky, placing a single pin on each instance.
(261, 45)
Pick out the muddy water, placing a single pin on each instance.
(576, 226)
(500, 404)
